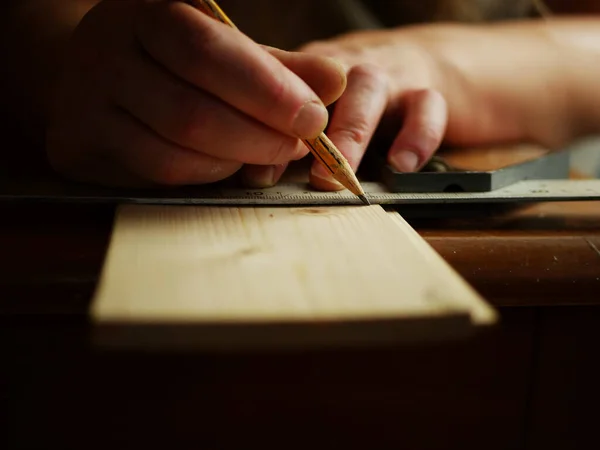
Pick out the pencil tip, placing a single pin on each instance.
(364, 199)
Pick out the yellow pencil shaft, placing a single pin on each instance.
(213, 10)
(325, 151)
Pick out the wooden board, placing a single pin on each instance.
(218, 277)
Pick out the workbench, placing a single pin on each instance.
(530, 383)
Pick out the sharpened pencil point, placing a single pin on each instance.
(364, 199)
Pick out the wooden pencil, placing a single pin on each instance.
(321, 147)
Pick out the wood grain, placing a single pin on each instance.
(245, 269)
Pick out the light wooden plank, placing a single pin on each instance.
(248, 269)
(480, 312)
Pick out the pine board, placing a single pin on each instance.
(216, 277)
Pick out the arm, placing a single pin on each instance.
(465, 85)
(539, 78)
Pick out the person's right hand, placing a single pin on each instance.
(156, 92)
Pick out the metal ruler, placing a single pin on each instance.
(299, 194)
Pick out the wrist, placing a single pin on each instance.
(576, 42)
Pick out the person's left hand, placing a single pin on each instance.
(391, 76)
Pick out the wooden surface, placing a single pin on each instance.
(215, 277)
(541, 255)
(515, 387)
(529, 384)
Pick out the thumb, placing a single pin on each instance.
(325, 76)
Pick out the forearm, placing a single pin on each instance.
(578, 42)
(33, 37)
(535, 81)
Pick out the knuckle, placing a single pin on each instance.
(431, 134)
(434, 95)
(357, 131)
(189, 116)
(278, 92)
(280, 100)
(428, 99)
(372, 74)
(190, 119)
(368, 70)
(429, 138)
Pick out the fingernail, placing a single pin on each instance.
(404, 161)
(261, 177)
(311, 120)
(319, 171)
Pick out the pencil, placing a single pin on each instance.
(321, 147)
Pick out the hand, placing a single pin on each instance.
(401, 82)
(156, 92)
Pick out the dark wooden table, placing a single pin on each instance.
(529, 383)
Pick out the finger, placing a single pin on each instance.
(227, 64)
(425, 119)
(354, 121)
(148, 156)
(190, 118)
(262, 176)
(325, 76)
